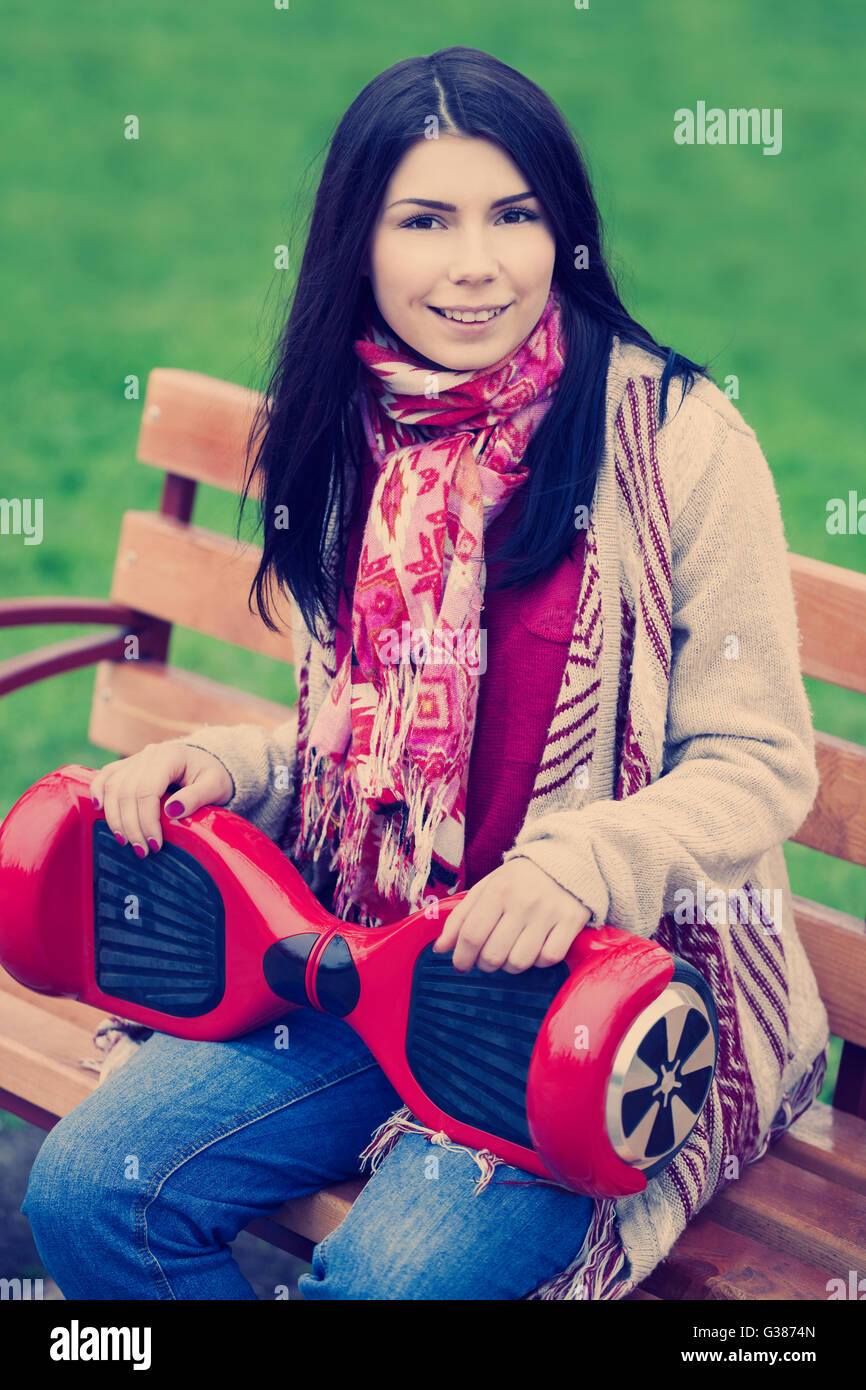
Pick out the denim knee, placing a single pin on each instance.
(68, 1191)
(345, 1270)
(358, 1261)
(421, 1230)
(47, 1185)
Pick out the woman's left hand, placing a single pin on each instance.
(513, 918)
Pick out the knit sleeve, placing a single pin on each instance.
(739, 773)
(261, 764)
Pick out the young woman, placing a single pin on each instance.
(468, 435)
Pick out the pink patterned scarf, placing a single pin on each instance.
(385, 775)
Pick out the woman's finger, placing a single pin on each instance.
(474, 932)
(110, 808)
(98, 781)
(211, 785)
(455, 919)
(555, 947)
(495, 951)
(148, 820)
(540, 945)
(127, 806)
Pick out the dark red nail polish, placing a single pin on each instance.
(140, 850)
(174, 808)
(121, 839)
(154, 844)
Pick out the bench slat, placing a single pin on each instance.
(139, 702)
(196, 578)
(836, 824)
(829, 1142)
(831, 614)
(315, 1216)
(196, 426)
(38, 1056)
(710, 1261)
(835, 943)
(84, 1016)
(800, 1213)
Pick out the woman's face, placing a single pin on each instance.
(457, 231)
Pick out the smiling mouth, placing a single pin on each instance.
(475, 316)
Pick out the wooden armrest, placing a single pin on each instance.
(21, 612)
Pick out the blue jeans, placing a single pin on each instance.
(137, 1192)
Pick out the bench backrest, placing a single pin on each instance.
(195, 429)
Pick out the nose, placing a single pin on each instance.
(473, 261)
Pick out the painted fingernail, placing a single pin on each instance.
(174, 808)
(121, 839)
(140, 850)
(154, 844)
(96, 802)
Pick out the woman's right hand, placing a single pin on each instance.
(129, 789)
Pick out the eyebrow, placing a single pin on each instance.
(449, 207)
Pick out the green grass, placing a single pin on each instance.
(118, 256)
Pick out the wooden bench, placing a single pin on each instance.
(794, 1219)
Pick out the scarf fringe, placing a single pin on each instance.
(320, 803)
(337, 809)
(400, 873)
(397, 872)
(395, 710)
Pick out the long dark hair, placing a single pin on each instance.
(309, 427)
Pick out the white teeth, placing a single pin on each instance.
(481, 316)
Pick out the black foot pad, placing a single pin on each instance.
(159, 928)
(469, 1039)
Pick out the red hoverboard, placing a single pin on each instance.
(591, 1072)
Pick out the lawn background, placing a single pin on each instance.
(120, 256)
